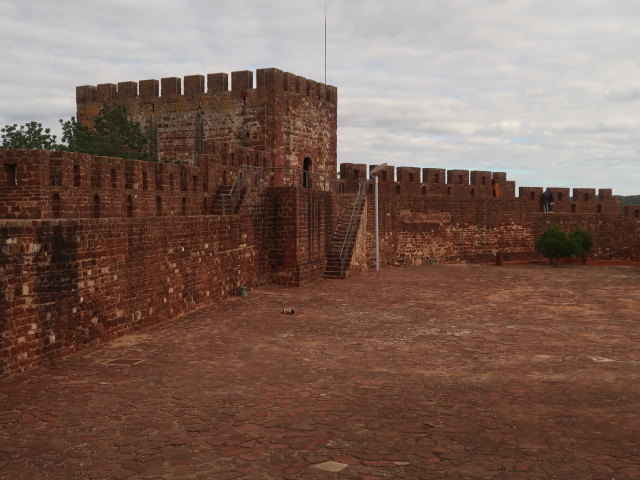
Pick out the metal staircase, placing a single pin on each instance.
(228, 198)
(344, 237)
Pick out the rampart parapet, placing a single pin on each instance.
(477, 183)
(271, 79)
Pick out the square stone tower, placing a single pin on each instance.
(291, 119)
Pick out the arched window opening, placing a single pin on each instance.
(153, 139)
(484, 180)
(306, 169)
(224, 177)
(199, 140)
(184, 206)
(385, 175)
(96, 206)
(398, 189)
(11, 174)
(449, 191)
(76, 176)
(424, 190)
(158, 206)
(532, 195)
(460, 179)
(586, 197)
(129, 207)
(436, 178)
(574, 209)
(410, 177)
(473, 192)
(560, 196)
(599, 208)
(56, 206)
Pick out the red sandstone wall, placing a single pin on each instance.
(303, 221)
(417, 229)
(67, 284)
(288, 116)
(42, 184)
(77, 280)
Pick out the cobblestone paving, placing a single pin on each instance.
(452, 372)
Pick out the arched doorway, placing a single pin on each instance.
(306, 169)
(129, 207)
(96, 206)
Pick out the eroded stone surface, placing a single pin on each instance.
(331, 466)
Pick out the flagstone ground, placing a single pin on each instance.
(430, 372)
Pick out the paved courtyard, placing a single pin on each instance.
(453, 372)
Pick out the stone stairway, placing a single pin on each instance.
(222, 195)
(334, 268)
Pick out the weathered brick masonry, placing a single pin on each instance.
(449, 216)
(94, 247)
(288, 116)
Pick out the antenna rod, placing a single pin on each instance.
(325, 43)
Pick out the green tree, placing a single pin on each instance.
(113, 135)
(554, 243)
(582, 240)
(30, 136)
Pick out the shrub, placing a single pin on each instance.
(554, 243)
(582, 240)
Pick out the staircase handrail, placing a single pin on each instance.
(348, 238)
(234, 194)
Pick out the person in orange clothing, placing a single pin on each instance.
(495, 186)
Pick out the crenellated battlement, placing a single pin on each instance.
(271, 79)
(478, 183)
(37, 184)
(439, 181)
(292, 118)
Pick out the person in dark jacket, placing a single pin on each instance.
(547, 201)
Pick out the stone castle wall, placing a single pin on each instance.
(289, 117)
(438, 215)
(92, 247)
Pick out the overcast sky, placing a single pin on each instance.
(548, 91)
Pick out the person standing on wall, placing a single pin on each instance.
(547, 201)
(495, 186)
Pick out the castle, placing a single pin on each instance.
(245, 193)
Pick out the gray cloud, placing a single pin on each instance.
(545, 90)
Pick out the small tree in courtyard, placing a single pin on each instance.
(582, 240)
(554, 243)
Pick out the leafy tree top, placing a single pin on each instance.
(30, 136)
(113, 135)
